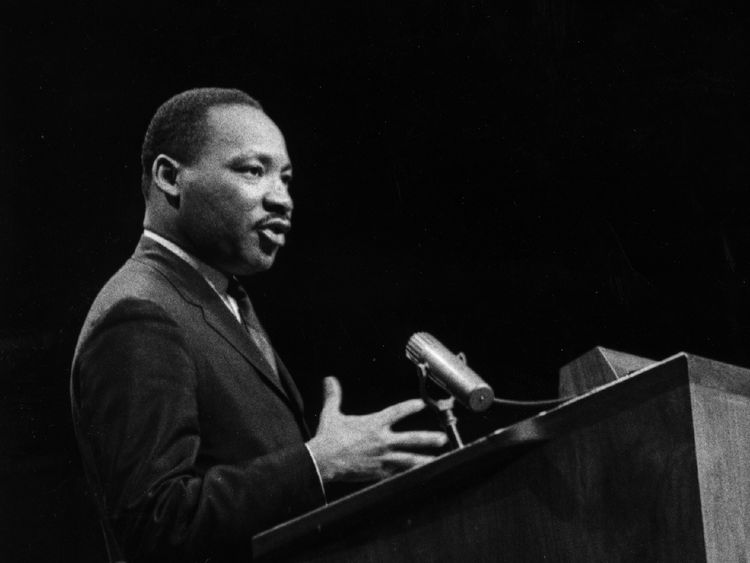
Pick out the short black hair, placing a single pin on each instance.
(178, 127)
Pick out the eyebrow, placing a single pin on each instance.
(264, 158)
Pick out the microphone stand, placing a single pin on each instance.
(443, 408)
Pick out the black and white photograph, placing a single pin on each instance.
(381, 282)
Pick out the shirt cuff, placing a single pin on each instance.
(317, 472)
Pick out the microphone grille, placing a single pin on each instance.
(416, 345)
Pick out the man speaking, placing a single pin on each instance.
(190, 427)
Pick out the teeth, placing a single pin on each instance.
(273, 236)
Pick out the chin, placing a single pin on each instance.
(252, 265)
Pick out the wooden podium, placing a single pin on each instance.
(650, 463)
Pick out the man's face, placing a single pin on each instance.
(235, 207)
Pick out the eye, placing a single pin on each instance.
(254, 170)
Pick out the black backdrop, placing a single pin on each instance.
(523, 179)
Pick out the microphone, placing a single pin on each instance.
(449, 372)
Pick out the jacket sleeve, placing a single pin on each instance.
(135, 398)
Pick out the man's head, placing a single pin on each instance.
(178, 128)
(216, 177)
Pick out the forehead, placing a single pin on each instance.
(240, 129)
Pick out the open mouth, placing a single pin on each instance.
(274, 231)
(275, 237)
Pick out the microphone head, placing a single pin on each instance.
(448, 371)
(418, 342)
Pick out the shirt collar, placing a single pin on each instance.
(214, 277)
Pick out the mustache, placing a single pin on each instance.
(280, 223)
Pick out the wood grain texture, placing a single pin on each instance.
(610, 476)
(598, 367)
(721, 413)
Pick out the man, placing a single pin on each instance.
(191, 428)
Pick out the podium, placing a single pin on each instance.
(649, 462)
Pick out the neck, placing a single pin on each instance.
(154, 221)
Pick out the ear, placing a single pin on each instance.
(164, 173)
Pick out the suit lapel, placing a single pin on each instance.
(292, 392)
(223, 322)
(196, 290)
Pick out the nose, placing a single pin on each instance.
(278, 199)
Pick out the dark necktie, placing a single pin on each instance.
(252, 324)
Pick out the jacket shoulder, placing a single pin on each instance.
(137, 288)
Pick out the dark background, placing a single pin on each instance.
(524, 179)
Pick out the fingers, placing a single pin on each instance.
(331, 396)
(418, 439)
(394, 413)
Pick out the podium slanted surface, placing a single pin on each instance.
(651, 463)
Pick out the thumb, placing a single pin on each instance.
(331, 396)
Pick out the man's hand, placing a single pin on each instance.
(364, 448)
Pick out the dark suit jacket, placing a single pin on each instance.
(191, 443)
